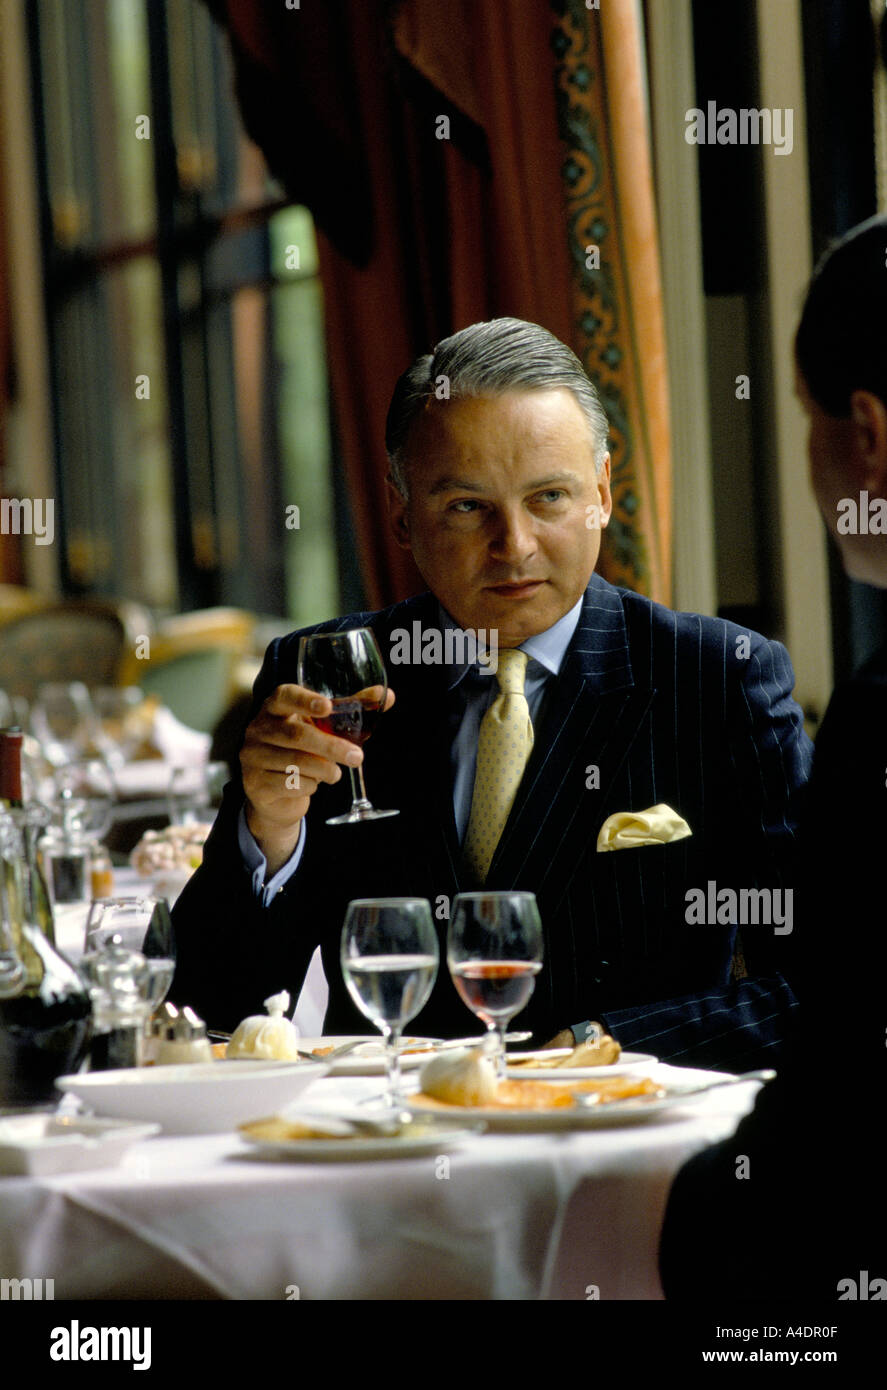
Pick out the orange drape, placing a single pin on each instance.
(10, 546)
(546, 155)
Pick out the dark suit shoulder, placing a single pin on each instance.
(851, 751)
(668, 646)
(714, 634)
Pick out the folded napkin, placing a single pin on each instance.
(177, 742)
(629, 829)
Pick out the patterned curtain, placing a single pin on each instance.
(533, 198)
(618, 324)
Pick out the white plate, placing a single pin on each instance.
(369, 1058)
(194, 1098)
(38, 1145)
(627, 1062)
(634, 1110)
(433, 1141)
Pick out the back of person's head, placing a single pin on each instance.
(841, 344)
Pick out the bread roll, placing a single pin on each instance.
(460, 1078)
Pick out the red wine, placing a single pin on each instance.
(495, 989)
(353, 717)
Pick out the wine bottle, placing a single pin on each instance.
(31, 821)
(44, 1014)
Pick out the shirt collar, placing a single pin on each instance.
(548, 648)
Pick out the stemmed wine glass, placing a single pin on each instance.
(143, 924)
(63, 721)
(118, 734)
(86, 791)
(348, 668)
(494, 951)
(389, 959)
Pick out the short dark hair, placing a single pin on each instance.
(488, 359)
(841, 343)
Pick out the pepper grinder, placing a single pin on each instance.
(120, 990)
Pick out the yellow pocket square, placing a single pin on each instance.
(631, 829)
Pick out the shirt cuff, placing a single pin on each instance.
(257, 864)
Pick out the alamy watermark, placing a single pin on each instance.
(743, 907)
(76, 1343)
(454, 646)
(862, 516)
(28, 516)
(748, 126)
(26, 1290)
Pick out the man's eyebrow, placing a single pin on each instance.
(451, 484)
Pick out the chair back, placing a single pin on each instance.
(193, 663)
(75, 640)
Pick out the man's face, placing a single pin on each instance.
(841, 466)
(828, 445)
(505, 509)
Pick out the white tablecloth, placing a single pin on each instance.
(530, 1216)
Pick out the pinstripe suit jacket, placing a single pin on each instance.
(667, 709)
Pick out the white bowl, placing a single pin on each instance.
(197, 1097)
(37, 1145)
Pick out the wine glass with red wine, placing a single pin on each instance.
(494, 951)
(348, 669)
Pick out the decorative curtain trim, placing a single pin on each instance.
(618, 315)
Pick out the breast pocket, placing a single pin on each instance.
(641, 895)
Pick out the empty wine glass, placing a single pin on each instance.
(143, 924)
(390, 956)
(85, 790)
(348, 668)
(118, 733)
(494, 951)
(63, 720)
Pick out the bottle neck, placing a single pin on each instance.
(11, 768)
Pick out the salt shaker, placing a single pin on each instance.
(182, 1036)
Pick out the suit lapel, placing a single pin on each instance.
(592, 717)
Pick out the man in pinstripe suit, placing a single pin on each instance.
(500, 487)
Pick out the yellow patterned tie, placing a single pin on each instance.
(503, 747)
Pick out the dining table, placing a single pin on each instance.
(571, 1214)
(567, 1215)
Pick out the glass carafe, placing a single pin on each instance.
(45, 1015)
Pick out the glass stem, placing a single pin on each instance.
(359, 800)
(392, 1066)
(497, 1037)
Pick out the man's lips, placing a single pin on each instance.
(521, 589)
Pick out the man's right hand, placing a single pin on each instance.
(284, 759)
